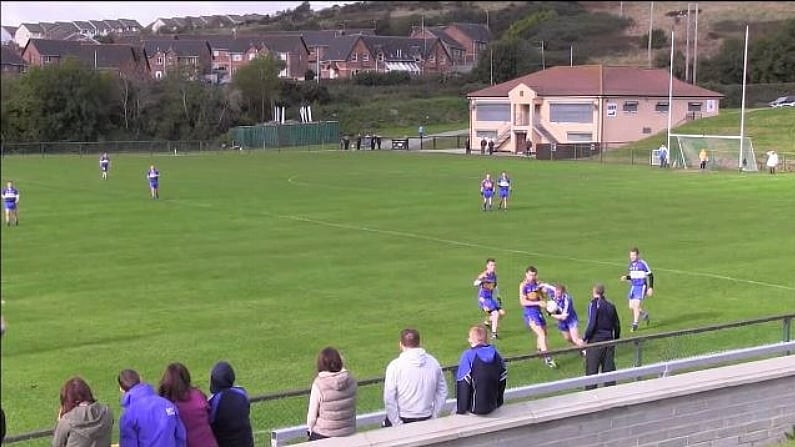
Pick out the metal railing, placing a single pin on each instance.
(655, 348)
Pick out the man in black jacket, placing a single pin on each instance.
(603, 325)
(229, 409)
(481, 376)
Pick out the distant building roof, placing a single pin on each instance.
(598, 80)
(34, 27)
(398, 48)
(180, 47)
(475, 31)
(10, 29)
(284, 43)
(9, 57)
(49, 47)
(340, 48)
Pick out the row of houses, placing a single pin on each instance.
(331, 54)
(180, 24)
(85, 30)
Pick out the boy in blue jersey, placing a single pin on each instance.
(504, 182)
(566, 315)
(532, 297)
(487, 191)
(10, 202)
(153, 175)
(104, 165)
(641, 281)
(489, 276)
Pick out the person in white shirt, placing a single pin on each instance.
(772, 161)
(414, 387)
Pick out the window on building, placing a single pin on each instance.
(694, 107)
(432, 59)
(571, 113)
(493, 112)
(579, 137)
(354, 57)
(251, 56)
(237, 57)
(381, 57)
(442, 59)
(216, 53)
(365, 57)
(647, 130)
(661, 106)
(158, 74)
(630, 107)
(159, 60)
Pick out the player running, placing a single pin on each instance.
(566, 315)
(104, 165)
(641, 282)
(10, 202)
(532, 297)
(504, 182)
(487, 191)
(153, 175)
(488, 296)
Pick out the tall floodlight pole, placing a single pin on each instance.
(651, 24)
(571, 55)
(491, 65)
(695, 48)
(742, 109)
(543, 61)
(687, 46)
(670, 92)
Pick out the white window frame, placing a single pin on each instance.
(354, 56)
(216, 53)
(628, 107)
(251, 56)
(237, 57)
(365, 57)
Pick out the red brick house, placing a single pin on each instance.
(456, 50)
(230, 54)
(168, 55)
(349, 55)
(128, 60)
(473, 37)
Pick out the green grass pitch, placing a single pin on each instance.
(262, 259)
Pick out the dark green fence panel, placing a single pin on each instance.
(286, 135)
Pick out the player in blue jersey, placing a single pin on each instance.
(566, 315)
(532, 297)
(153, 176)
(488, 296)
(104, 165)
(10, 203)
(504, 182)
(487, 191)
(641, 281)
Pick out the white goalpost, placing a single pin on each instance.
(722, 151)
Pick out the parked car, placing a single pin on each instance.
(784, 101)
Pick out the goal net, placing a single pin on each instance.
(723, 152)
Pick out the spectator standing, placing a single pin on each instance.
(414, 387)
(483, 144)
(772, 161)
(359, 142)
(603, 325)
(481, 377)
(378, 142)
(372, 142)
(82, 421)
(194, 410)
(703, 158)
(332, 401)
(491, 146)
(230, 409)
(528, 148)
(467, 146)
(148, 419)
(347, 141)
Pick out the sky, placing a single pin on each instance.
(14, 13)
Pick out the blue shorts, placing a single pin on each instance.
(10, 205)
(488, 194)
(104, 168)
(491, 305)
(503, 193)
(637, 293)
(535, 318)
(153, 184)
(567, 324)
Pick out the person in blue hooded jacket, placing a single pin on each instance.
(148, 419)
(481, 377)
(230, 409)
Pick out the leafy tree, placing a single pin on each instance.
(259, 83)
(509, 59)
(659, 39)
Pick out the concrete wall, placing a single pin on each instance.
(752, 404)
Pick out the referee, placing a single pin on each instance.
(603, 325)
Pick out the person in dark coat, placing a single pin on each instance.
(481, 377)
(468, 147)
(359, 142)
(491, 146)
(378, 142)
(603, 325)
(372, 142)
(483, 144)
(230, 409)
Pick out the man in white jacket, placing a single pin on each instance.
(414, 387)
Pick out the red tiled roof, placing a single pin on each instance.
(598, 80)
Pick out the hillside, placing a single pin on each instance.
(717, 21)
